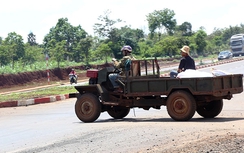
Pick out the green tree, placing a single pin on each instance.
(14, 47)
(129, 36)
(4, 56)
(32, 54)
(228, 32)
(57, 52)
(216, 42)
(64, 31)
(31, 38)
(84, 47)
(79, 35)
(162, 19)
(200, 40)
(165, 47)
(104, 51)
(107, 32)
(186, 29)
(145, 48)
(1, 40)
(105, 26)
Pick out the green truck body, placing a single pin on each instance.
(146, 89)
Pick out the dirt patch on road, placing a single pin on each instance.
(231, 143)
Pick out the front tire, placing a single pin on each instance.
(88, 107)
(211, 109)
(118, 112)
(72, 81)
(181, 105)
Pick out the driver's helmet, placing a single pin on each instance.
(127, 48)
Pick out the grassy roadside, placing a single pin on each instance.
(44, 92)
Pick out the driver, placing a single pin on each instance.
(124, 64)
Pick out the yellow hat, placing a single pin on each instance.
(185, 49)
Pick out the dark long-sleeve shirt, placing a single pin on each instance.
(187, 63)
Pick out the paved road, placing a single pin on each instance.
(54, 127)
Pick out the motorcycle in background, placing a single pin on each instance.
(72, 79)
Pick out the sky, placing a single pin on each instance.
(39, 16)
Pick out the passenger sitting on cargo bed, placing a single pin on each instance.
(186, 62)
(124, 65)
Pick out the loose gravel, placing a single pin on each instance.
(229, 143)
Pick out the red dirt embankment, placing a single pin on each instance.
(40, 77)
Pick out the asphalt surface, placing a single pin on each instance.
(54, 127)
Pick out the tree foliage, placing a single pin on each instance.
(104, 51)
(84, 47)
(14, 46)
(106, 25)
(201, 43)
(162, 20)
(65, 42)
(186, 29)
(31, 39)
(64, 32)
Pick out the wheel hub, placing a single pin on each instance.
(180, 106)
(86, 108)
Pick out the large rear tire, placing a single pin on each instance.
(118, 112)
(211, 109)
(181, 105)
(88, 107)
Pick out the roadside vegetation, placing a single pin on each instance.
(67, 45)
(49, 91)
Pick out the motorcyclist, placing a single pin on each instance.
(73, 74)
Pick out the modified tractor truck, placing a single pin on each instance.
(143, 87)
